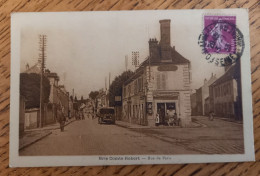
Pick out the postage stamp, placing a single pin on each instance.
(221, 41)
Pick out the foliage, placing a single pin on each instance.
(93, 94)
(115, 89)
(30, 89)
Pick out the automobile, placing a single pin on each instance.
(106, 115)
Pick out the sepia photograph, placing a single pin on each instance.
(131, 87)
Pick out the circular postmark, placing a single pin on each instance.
(221, 42)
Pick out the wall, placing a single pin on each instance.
(31, 118)
(225, 95)
(174, 80)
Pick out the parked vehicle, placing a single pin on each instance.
(106, 115)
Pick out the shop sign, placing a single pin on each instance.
(169, 67)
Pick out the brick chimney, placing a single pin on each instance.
(154, 50)
(165, 42)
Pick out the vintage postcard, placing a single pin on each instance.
(130, 87)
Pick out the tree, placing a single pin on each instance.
(30, 89)
(93, 95)
(82, 98)
(115, 89)
(75, 99)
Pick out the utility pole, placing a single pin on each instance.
(41, 60)
(126, 62)
(107, 102)
(109, 80)
(106, 83)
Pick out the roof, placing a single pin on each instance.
(177, 58)
(34, 69)
(231, 73)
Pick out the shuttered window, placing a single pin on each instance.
(161, 81)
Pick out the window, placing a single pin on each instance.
(135, 87)
(161, 80)
(129, 90)
(124, 92)
(140, 84)
(158, 81)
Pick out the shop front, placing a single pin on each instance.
(164, 104)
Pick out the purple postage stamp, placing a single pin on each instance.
(220, 34)
(221, 41)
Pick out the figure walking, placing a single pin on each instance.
(61, 117)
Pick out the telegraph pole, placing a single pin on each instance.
(41, 60)
(126, 62)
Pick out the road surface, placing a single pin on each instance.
(87, 137)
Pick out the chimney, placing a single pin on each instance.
(165, 42)
(205, 81)
(27, 66)
(154, 50)
(165, 32)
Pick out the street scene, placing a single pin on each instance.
(87, 137)
(141, 95)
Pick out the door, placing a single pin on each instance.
(161, 112)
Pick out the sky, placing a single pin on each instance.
(84, 47)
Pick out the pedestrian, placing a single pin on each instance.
(61, 117)
(157, 120)
(176, 120)
(171, 116)
(211, 115)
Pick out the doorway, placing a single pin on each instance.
(162, 111)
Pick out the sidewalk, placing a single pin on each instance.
(194, 124)
(33, 135)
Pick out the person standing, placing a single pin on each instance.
(211, 115)
(61, 117)
(171, 116)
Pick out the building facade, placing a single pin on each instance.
(161, 82)
(225, 94)
(202, 94)
(58, 95)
